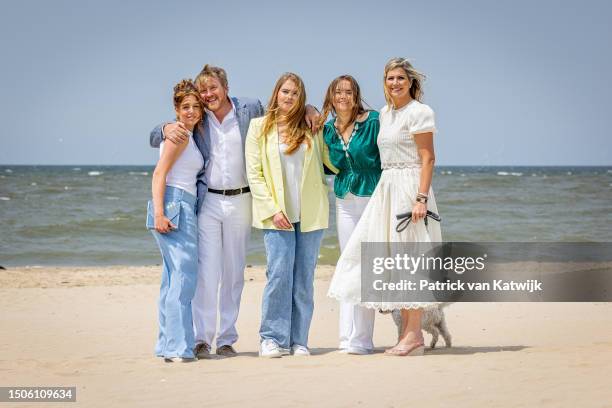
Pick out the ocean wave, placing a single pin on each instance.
(111, 198)
(76, 169)
(139, 173)
(512, 173)
(95, 173)
(8, 170)
(9, 198)
(33, 184)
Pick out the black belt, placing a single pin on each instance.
(233, 192)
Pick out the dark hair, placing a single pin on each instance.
(328, 103)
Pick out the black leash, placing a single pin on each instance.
(404, 219)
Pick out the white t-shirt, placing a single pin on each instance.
(184, 172)
(292, 166)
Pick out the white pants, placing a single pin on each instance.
(356, 322)
(224, 228)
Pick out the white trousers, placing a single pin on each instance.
(356, 322)
(224, 228)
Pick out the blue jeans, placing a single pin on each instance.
(179, 250)
(288, 296)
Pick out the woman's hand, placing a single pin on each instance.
(163, 224)
(418, 212)
(280, 221)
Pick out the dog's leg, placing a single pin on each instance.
(445, 333)
(434, 336)
(397, 319)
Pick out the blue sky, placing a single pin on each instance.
(511, 82)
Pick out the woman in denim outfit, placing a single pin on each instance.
(285, 172)
(171, 216)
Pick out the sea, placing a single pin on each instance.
(95, 215)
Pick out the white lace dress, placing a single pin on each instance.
(395, 193)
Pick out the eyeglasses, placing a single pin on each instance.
(404, 219)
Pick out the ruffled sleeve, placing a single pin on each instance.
(423, 120)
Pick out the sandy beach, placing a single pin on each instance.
(95, 328)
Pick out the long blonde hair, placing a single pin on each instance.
(297, 129)
(416, 78)
(328, 103)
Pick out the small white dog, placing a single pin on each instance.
(433, 322)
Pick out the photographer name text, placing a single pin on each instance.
(530, 285)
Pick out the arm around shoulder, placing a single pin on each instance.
(156, 135)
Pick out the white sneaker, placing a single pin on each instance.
(269, 349)
(298, 350)
(179, 360)
(284, 351)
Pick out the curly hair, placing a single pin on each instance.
(183, 89)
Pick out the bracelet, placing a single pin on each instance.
(421, 199)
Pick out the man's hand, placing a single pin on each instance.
(176, 132)
(312, 118)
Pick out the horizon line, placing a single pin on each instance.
(438, 165)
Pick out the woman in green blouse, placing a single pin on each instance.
(351, 136)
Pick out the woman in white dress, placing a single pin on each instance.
(407, 156)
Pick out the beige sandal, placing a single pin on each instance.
(403, 351)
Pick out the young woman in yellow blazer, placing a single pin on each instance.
(285, 171)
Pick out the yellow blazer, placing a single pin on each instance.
(263, 165)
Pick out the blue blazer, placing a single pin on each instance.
(245, 108)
